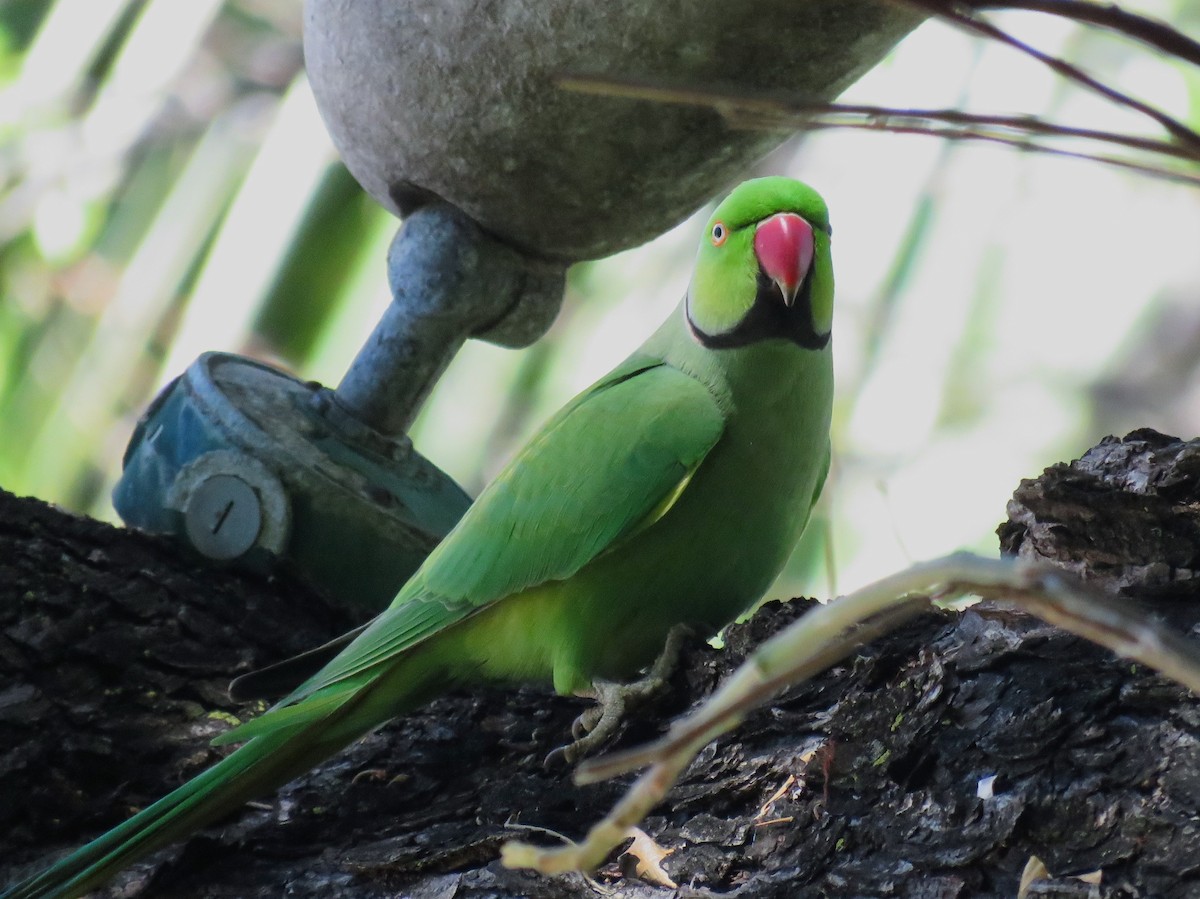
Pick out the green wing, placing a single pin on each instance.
(610, 461)
(607, 465)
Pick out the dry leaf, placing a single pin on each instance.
(649, 856)
(1034, 871)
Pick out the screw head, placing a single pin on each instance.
(223, 516)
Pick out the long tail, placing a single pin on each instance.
(261, 765)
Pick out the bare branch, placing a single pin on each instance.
(976, 25)
(830, 632)
(1152, 32)
(1021, 132)
(775, 112)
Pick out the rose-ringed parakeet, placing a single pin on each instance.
(670, 492)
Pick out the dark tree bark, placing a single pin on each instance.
(936, 762)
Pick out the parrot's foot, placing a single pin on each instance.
(597, 725)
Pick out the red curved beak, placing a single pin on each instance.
(784, 247)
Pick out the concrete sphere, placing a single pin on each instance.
(457, 100)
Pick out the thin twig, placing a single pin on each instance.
(782, 112)
(1152, 32)
(774, 112)
(1029, 146)
(968, 22)
(766, 111)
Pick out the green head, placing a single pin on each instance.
(764, 268)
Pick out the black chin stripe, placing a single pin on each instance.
(769, 318)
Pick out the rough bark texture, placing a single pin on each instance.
(873, 780)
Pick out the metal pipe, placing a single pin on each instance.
(450, 280)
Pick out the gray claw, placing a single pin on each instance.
(600, 723)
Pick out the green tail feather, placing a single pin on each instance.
(288, 718)
(263, 764)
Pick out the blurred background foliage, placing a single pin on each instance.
(166, 188)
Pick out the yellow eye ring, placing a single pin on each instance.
(719, 233)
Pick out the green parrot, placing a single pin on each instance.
(670, 492)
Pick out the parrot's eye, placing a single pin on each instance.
(718, 234)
